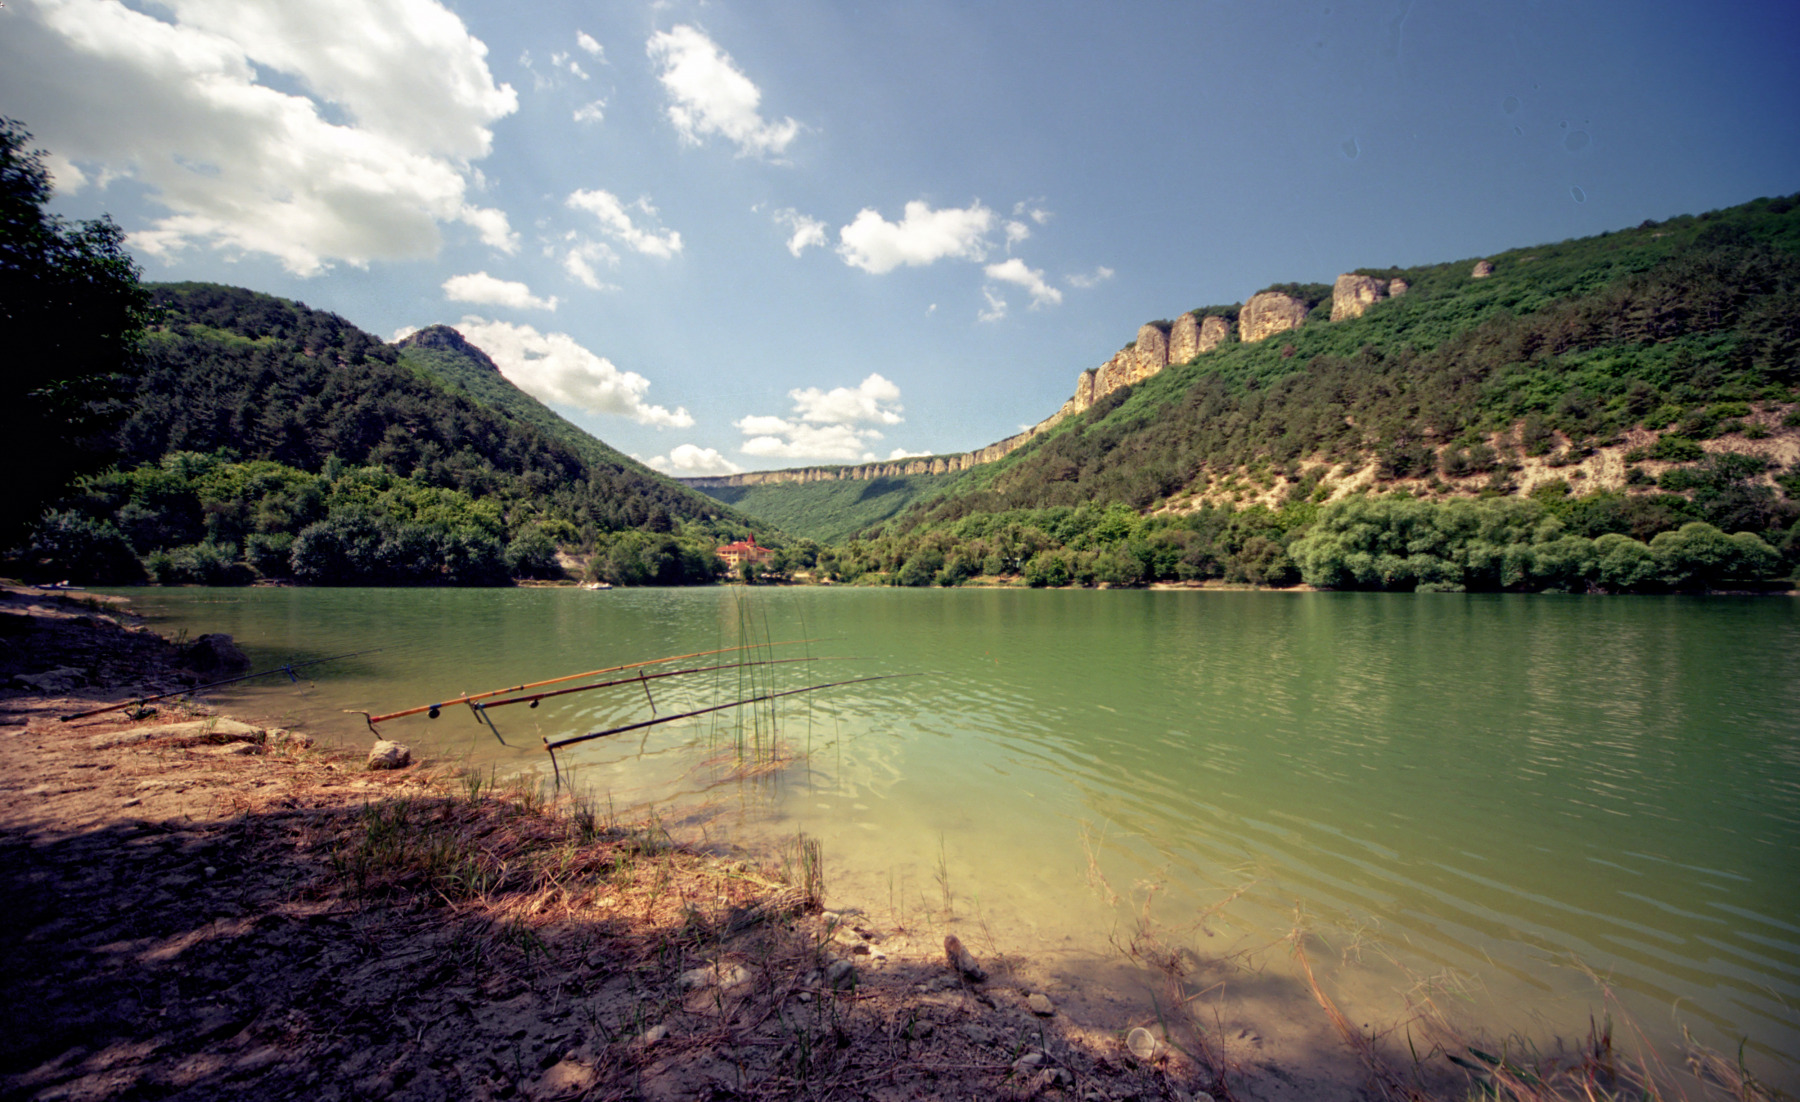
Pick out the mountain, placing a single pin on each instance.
(269, 438)
(1629, 384)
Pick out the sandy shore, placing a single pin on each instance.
(204, 908)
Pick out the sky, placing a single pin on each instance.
(729, 236)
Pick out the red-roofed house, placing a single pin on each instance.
(745, 551)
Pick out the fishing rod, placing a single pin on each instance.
(534, 698)
(553, 747)
(287, 669)
(433, 710)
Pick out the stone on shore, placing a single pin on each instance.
(961, 960)
(198, 730)
(386, 754)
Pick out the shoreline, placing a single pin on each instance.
(216, 908)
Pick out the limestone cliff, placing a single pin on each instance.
(1159, 344)
(1353, 294)
(1268, 313)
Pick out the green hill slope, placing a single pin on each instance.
(1623, 385)
(269, 438)
(829, 511)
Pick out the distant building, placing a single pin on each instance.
(744, 551)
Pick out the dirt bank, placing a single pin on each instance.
(200, 908)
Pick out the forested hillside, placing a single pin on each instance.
(266, 439)
(1631, 385)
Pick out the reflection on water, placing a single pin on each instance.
(1496, 791)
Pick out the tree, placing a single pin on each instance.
(71, 312)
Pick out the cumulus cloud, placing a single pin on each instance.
(1083, 282)
(554, 367)
(708, 94)
(996, 306)
(774, 438)
(590, 47)
(360, 155)
(592, 111)
(1027, 208)
(825, 425)
(923, 236)
(902, 453)
(579, 257)
(616, 222)
(487, 290)
(692, 461)
(806, 232)
(1015, 233)
(874, 399)
(1014, 271)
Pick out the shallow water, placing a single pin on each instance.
(1487, 800)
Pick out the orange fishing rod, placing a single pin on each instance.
(432, 710)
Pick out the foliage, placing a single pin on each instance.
(833, 510)
(1565, 347)
(71, 311)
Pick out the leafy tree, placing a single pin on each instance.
(71, 313)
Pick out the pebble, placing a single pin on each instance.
(1141, 1043)
(652, 1035)
(1040, 1004)
(840, 973)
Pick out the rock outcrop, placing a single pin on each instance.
(1191, 336)
(1158, 345)
(1268, 313)
(1353, 294)
(1482, 269)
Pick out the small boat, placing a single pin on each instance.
(596, 585)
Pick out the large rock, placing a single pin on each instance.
(215, 653)
(1151, 353)
(1268, 313)
(189, 733)
(1482, 269)
(1398, 287)
(389, 755)
(1352, 294)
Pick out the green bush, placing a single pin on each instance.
(69, 546)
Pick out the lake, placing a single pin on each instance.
(1498, 803)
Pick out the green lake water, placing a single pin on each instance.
(1484, 800)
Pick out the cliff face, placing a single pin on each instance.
(1158, 345)
(1353, 294)
(1268, 313)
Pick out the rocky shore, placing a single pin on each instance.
(202, 908)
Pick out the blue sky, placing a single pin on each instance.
(755, 235)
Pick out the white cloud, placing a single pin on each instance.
(1015, 233)
(362, 161)
(996, 306)
(1026, 209)
(590, 47)
(592, 111)
(874, 399)
(807, 232)
(1014, 271)
(580, 258)
(1083, 282)
(489, 291)
(616, 222)
(491, 226)
(923, 236)
(554, 367)
(564, 61)
(902, 453)
(773, 438)
(825, 425)
(709, 95)
(692, 461)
